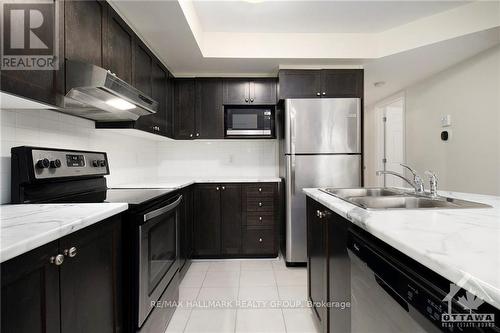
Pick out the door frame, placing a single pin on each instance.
(380, 144)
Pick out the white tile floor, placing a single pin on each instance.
(243, 296)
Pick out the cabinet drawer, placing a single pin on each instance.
(258, 190)
(260, 219)
(258, 241)
(255, 204)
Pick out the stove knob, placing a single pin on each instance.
(55, 163)
(102, 163)
(95, 163)
(43, 163)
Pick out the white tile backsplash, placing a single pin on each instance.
(134, 158)
(213, 159)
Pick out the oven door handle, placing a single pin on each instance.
(162, 210)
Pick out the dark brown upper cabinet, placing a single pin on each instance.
(184, 109)
(244, 91)
(83, 25)
(118, 46)
(209, 111)
(141, 74)
(320, 83)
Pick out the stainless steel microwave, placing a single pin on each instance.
(249, 122)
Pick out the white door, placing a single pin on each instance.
(394, 142)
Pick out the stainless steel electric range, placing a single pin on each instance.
(150, 238)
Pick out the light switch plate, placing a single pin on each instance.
(446, 120)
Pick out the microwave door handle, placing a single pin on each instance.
(162, 210)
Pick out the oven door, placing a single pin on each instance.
(158, 257)
(249, 122)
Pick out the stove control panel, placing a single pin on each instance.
(61, 163)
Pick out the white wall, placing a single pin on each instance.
(470, 93)
(219, 158)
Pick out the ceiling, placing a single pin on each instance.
(313, 16)
(415, 46)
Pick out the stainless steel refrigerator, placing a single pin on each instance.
(320, 147)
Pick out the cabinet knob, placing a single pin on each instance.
(223, 188)
(251, 100)
(57, 260)
(246, 99)
(321, 214)
(324, 93)
(191, 135)
(260, 189)
(260, 218)
(71, 252)
(197, 134)
(260, 240)
(260, 204)
(217, 188)
(318, 94)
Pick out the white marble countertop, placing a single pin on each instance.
(177, 183)
(462, 245)
(26, 227)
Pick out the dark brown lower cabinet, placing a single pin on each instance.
(235, 220)
(207, 217)
(328, 267)
(186, 230)
(231, 218)
(317, 256)
(83, 294)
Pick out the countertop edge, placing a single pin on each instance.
(56, 233)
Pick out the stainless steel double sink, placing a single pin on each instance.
(392, 198)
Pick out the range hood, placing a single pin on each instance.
(96, 93)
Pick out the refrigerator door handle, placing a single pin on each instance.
(292, 173)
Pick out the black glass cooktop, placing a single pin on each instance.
(134, 196)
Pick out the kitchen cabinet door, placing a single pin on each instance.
(209, 109)
(90, 281)
(299, 83)
(236, 91)
(207, 220)
(142, 68)
(168, 129)
(155, 123)
(347, 83)
(30, 292)
(263, 91)
(317, 259)
(231, 214)
(83, 26)
(118, 46)
(184, 108)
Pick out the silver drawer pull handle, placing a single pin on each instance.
(57, 260)
(260, 218)
(355, 246)
(71, 252)
(260, 240)
(223, 187)
(217, 188)
(260, 204)
(260, 189)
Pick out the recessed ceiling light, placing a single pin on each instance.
(120, 104)
(379, 84)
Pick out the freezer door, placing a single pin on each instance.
(322, 126)
(304, 171)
